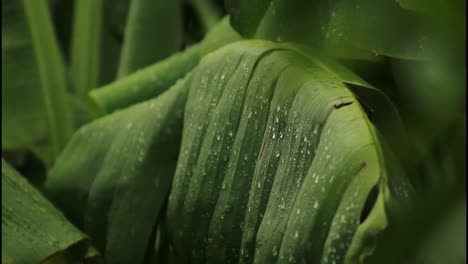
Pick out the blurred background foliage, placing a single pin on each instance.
(412, 50)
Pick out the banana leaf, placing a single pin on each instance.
(33, 230)
(208, 13)
(156, 78)
(353, 29)
(86, 45)
(114, 20)
(153, 32)
(433, 221)
(273, 145)
(262, 117)
(114, 176)
(34, 100)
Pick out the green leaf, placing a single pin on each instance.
(86, 45)
(247, 15)
(34, 105)
(434, 218)
(207, 12)
(153, 80)
(113, 25)
(153, 32)
(33, 230)
(355, 29)
(113, 177)
(81, 115)
(276, 163)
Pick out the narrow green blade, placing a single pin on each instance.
(34, 100)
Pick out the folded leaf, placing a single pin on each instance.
(33, 230)
(114, 176)
(277, 161)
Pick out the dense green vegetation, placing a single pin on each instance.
(236, 131)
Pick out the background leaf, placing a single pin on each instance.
(153, 31)
(86, 45)
(33, 108)
(153, 80)
(355, 29)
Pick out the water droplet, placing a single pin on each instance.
(296, 235)
(282, 206)
(275, 251)
(317, 179)
(277, 154)
(316, 204)
(315, 129)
